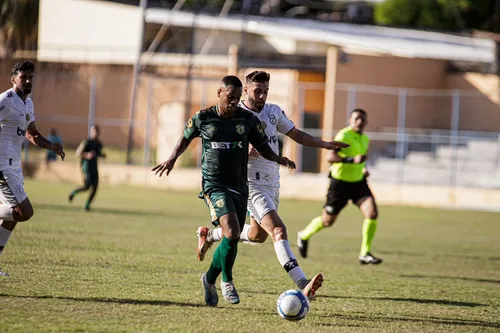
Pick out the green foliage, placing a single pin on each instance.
(130, 266)
(19, 24)
(452, 15)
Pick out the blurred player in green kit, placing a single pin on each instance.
(348, 175)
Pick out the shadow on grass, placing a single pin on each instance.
(110, 300)
(417, 276)
(76, 208)
(424, 320)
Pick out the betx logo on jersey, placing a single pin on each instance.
(21, 132)
(227, 145)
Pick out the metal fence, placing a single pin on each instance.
(442, 149)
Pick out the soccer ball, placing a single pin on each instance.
(292, 305)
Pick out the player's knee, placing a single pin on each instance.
(373, 215)
(257, 236)
(232, 234)
(24, 213)
(279, 233)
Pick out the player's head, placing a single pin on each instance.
(229, 93)
(358, 121)
(256, 89)
(94, 132)
(22, 77)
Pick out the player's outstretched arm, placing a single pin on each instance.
(270, 155)
(168, 165)
(334, 157)
(308, 140)
(34, 136)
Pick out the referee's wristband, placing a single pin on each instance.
(348, 160)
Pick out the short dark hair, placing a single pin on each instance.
(359, 110)
(22, 67)
(231, 80)
(258, 76)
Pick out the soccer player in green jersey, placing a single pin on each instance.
(226, 131)
(348, 175)
(89, 151)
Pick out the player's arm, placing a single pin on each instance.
(34, 136)
(266, 152)
(306, 139)
(334, 157)
(168, 165)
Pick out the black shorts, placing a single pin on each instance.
(340, 192)
(91, 179)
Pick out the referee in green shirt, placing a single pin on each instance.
(348, 182)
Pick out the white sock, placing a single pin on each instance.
(217, 234)
(6, 213)
(4, 237)
(289, 263)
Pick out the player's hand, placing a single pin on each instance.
(90, 155)
(366, 173)
(358, 159)
(252, 151)
(336, 145)
(58, 149)
(286, 162)
(167, 166)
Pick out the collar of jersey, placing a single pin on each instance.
(16, 94)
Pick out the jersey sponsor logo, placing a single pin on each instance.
(272, 119)
(227, 145)
(240, 129)
(21, 132)
(273, 139)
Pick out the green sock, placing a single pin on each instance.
(369, 229)
(315, 226)
(223, 261)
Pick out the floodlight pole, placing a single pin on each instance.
(135, 80)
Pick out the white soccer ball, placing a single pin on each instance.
(292, 305)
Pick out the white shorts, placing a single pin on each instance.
(12, 187)
(262, 200)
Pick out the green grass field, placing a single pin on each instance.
(130, 266)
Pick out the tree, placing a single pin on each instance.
(19, 24)
(451, 15)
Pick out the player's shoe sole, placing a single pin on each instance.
(312, 287)
(203, 244)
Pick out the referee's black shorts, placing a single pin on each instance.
(340, 192)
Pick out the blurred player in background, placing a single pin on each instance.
(17, 122)
(348, 175)
(264, 183)
(226, 131)
(89, 151)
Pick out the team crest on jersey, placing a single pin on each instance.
(211, 129)
(27, 117)
(272, 119)
(240, 129)
(219, 203)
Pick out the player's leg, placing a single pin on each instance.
(16, 207)
(223, 212)
(368, 207)
(336, 199)
(87, 183)
(94, 184)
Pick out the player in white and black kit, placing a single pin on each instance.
(264, 184)
(17, 122)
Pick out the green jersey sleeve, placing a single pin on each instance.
(192, 129)
(257, 137)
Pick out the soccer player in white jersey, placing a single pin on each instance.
(17, 122)
(264, 184)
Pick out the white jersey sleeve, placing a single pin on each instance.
(284, 124)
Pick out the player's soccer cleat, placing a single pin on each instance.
(302, 246)
(2, 273)
(229, 292)
(211, 297)
(204, 244)
(310, 290)
(369, 259)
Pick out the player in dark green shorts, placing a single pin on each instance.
(89, 151)
(226, 131)
(348, 182)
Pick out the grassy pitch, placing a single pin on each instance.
(130, 266)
